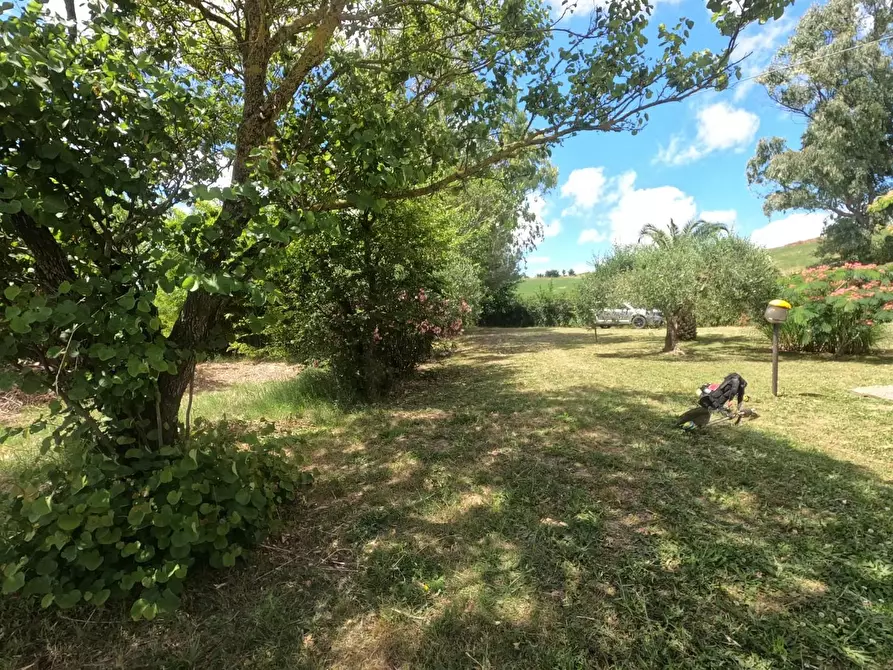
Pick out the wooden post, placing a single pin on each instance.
(775, 327)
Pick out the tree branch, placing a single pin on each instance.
(214, 17)
(314, 53)
(296, 27)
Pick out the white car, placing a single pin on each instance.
(627, 315)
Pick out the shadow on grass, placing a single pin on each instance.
(470, 524)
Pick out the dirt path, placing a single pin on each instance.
(212, 376)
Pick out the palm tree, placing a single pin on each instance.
(695, 228)
(687, 324)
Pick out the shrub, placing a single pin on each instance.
(370, 299)
(505, 309)
(551, 309)
(837, 310)
(102, 526)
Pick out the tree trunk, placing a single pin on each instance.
(688, 325)
(202, 313)
(72, 16)
(672, 338)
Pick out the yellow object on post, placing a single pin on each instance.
(776, 314)
(777, 311)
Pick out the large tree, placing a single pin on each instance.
(321, 106)
(836, 74)
(687, 327)
(675, 278)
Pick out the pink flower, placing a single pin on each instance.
(376, 337)
(436, 330)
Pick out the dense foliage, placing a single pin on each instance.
(836, 73)
(723, 275)
(372, 297)
(837, 310)
(98, 526)
(687, 325)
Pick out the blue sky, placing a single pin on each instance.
(689, 161)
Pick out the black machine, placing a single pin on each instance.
(718, 402)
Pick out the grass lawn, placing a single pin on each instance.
(531, 285)
(527, 504)
(795, 257)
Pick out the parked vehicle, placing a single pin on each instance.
(627, 315)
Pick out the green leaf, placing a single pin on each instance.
(99, 597)
(136, 515)
(47, 600)
(46, 565)
(69, 521)
(68, 600)
(12, 292)
(243, 497)
(13, 582)
(127, 302)
(90, 560)
(19, 325)
(173, 497)
(10, 206)
(54, 204)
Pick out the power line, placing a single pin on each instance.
(883, 38)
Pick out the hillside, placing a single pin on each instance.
(790, 258)
(797, 256)
(531, 285)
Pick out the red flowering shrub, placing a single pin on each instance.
(837, 309)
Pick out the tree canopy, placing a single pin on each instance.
(836, 73)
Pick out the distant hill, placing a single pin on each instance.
(531, 285)
(791, 258)
(796, 256)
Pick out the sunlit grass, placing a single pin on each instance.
(309, 394)
(527, 503)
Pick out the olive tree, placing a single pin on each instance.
(674, 279)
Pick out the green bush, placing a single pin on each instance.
(371, 299)
(551, 309)
(836, 310)
(504, 309)
(546, 308)
(110, 526)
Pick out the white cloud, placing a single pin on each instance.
(720, 127)
(726, 216)
(537, 260)
(591, 235)
(582, 268)
(637, 206)
(225, 172)
(760, 42)
(793, 228)
(552, 229)
(585, 186)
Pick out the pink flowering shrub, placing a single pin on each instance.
(837, 309)
(368, 300)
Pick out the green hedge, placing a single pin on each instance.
(546, 308)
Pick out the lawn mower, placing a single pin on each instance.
(718, 403)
